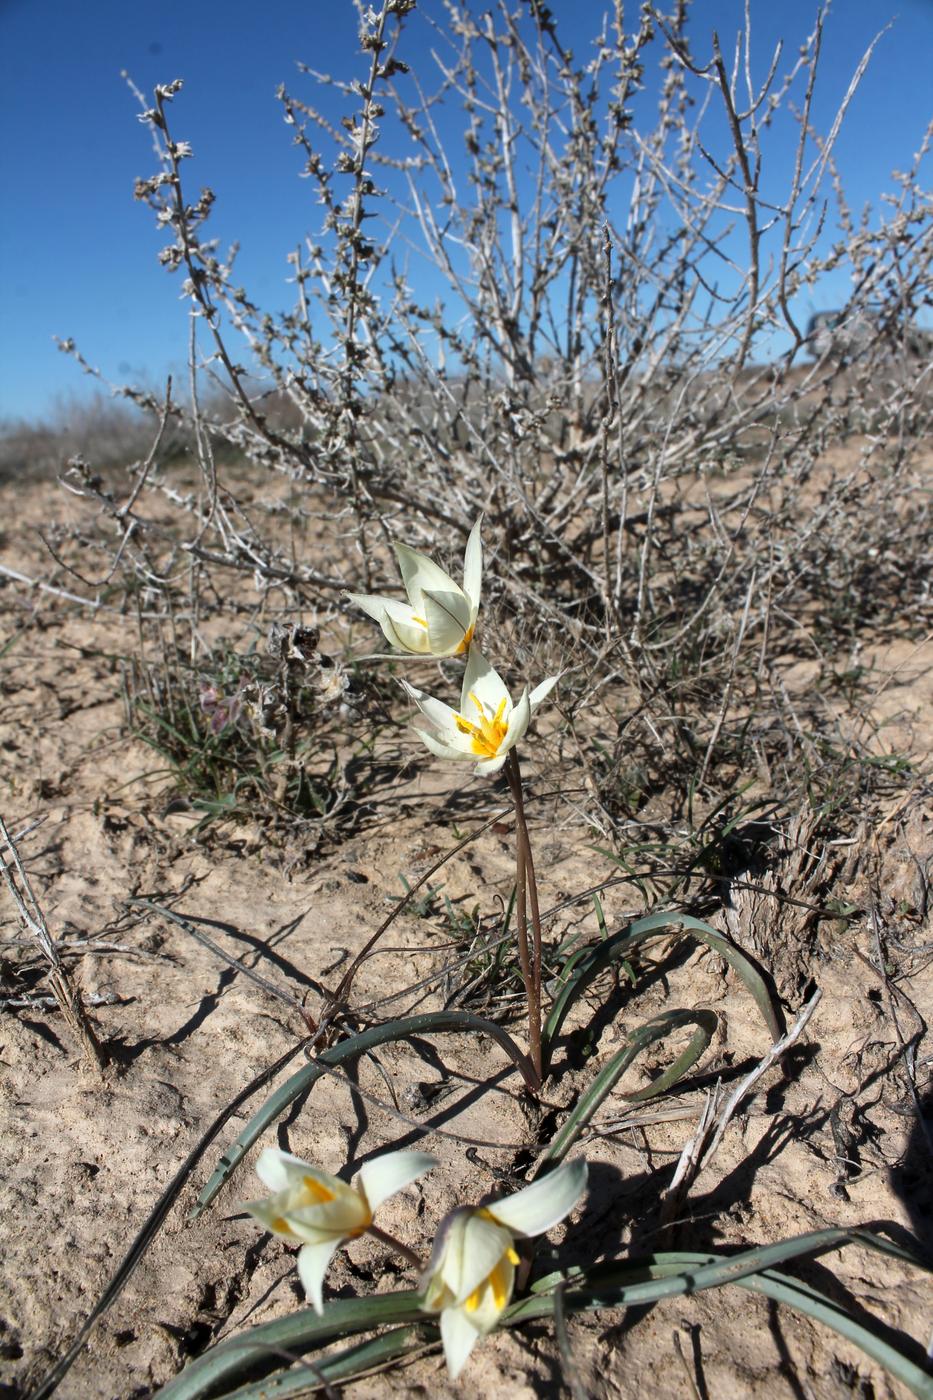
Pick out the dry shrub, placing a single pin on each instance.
(607, 357)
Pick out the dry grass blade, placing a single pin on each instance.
(59, 978)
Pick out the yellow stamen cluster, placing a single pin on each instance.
(487, 733)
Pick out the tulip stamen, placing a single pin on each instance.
(487, 734)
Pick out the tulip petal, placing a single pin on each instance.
(441, 750)
(542, 691)
(385, 1175)
(347, 1214)
(488, 766)
(270, 1216)
(279, 1170)
(448, 618)
(483, 681)
(473, 568)
(372, 604)
(519, 720)
(536, 1208)
(459, 1338)
(440, 715)
(313, 1260)
(444, 720)
(420, 573)
(492, 1298)
(482, 1245)
(402, 630)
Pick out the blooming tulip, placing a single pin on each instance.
(321, 1211)
(488, 724)
(439, 617)
(471, 1274)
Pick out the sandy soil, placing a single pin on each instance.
(832, 1139)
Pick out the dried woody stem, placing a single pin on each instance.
(33, 919)
(526, 897)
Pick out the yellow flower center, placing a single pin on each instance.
(420, 621)
(487, 734)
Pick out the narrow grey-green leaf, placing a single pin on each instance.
(336, 1055)
(582, 970)
(648, 1034)
(242, 1358)
(342, 1366)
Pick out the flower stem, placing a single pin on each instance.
(408, 1254)
(526, 888)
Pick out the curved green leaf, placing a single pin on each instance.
(657, 1029)
(343, 1366)
(241, 1358)
(584, 967)
(610, 1285)
(337, 1055)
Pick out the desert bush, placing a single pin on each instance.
(611, 365)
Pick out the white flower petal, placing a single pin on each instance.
(269, 1215)
(536, 1208)
(483, 681)
(441, 750)
(372, 604)
(448, 619)
(459, 1339)
(313, 1260)
(493, 1296)
(401, 630)
(436, 712)
(481, 1246)
(446, 1253)
(488, 766)
(383, 1176)
(542, 691)
(519, 720)
(346, 1214)
(279, 1170)
(418, 573)
(444, 719)
(473, 568)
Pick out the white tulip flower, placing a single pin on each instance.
(471, 1274)
(439, 618)
(488, 725)
(321, 1211)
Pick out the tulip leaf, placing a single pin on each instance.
(303, 1079)
(256, 1351)
(648, 1034)
(588, 963)
(665, 1275)
(340, 1366)
(241, 1360)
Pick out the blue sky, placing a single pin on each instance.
(78, 254)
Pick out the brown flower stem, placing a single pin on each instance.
(526, 894)
(408, 1254)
